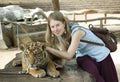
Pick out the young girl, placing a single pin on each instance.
(92, 58)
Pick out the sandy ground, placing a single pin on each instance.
(6, 56)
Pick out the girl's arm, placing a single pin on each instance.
(72, 48)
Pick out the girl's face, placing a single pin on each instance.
(57, 27)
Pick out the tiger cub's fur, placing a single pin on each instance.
(37, 61)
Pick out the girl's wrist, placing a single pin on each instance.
(47, 48)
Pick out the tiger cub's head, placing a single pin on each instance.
(35, 54)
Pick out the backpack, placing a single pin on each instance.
(108, 37)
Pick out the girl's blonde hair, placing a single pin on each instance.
(51, 38)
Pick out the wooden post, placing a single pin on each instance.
(101, 23)
(105, 18)
(85, 17)
(56, 6)
(74, 16)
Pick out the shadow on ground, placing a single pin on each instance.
(70, 73)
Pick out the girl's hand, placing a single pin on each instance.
(58, 66)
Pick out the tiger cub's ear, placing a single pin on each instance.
(22, 47)
(41, 45)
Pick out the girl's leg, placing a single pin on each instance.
(89, 65)
(108, 70)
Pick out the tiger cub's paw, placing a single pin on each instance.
(54, 73)
(16, 63)
(38, 73)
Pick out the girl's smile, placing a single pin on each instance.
(57, 27)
